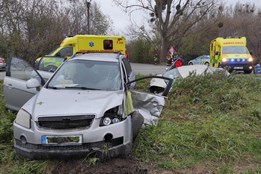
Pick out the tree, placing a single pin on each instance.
(78, 15)
(172, 18)
(33, 28)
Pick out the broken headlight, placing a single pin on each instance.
(112, 116)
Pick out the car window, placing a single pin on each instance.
(65, 52)
(20, 69)
(50, 64)
(234, 50)
(86, 74)
(173, 74)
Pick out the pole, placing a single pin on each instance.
(88, 4)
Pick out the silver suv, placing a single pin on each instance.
(88, 106)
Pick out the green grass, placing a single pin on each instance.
(210, 124)
(212, 118)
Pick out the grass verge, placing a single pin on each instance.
(212, 119)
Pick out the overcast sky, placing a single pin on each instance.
(121, 20)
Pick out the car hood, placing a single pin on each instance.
(50, 102)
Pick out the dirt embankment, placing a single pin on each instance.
(114, 166)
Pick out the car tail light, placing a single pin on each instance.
(1, 61)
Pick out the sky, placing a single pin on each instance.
(122, 20)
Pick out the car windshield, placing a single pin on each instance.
(234, 50)
(86, 74)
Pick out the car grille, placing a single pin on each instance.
(65, 122)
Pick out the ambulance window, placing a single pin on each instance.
(108, 44)
(65, 52)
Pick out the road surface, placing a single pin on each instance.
(146, 69)
(138, 68)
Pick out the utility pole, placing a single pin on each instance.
(88, 4)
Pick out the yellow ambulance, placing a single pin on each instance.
(85, 43)
(231, 53)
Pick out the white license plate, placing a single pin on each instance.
(238, 67)
(72, 139)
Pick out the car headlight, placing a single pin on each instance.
(23, 118)
(112, 116)
(250, 59)
(106, 121)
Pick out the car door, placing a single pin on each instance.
(150, 105)
(15, 91)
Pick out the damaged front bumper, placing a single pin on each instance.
(98, 149)
(112, 140)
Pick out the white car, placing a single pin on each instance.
(158, 85)
(201, 60)
(87, 107)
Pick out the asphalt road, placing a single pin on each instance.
(137, 68)
(147, 69)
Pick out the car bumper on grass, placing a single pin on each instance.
(33, 151)
(113, 140)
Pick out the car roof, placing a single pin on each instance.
(108, 57)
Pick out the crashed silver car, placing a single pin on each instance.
(157, 85)
(87, 107)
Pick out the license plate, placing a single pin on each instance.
(74, 139)
(238, 67)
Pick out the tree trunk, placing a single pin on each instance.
(163, 49)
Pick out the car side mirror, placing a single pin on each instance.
(33, 83)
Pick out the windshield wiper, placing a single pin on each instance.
(52, 87)
(80, 87)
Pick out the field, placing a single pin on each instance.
(210, 124)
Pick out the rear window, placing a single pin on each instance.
(108, 44)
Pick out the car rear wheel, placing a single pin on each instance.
(190, 63)
(207, 63)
